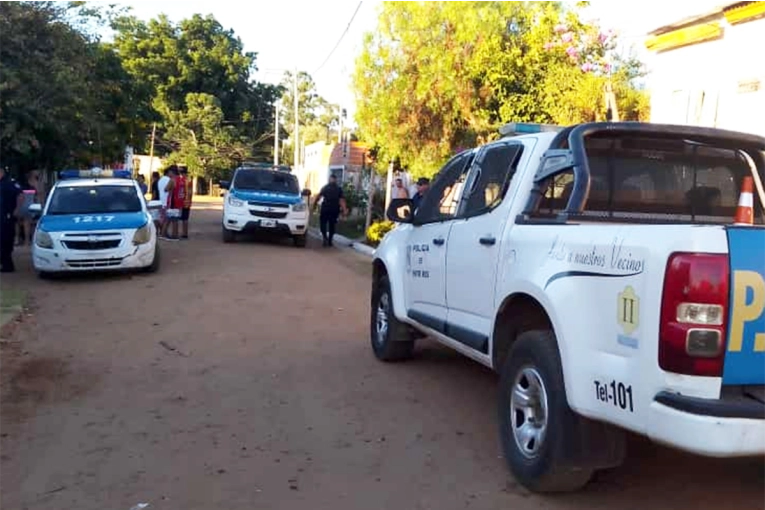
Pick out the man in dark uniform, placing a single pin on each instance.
(422, 187)
(333, 201)
(11, 199)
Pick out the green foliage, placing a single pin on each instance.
(64, 99)
(377, 231)
(437, 76)
(197, 78)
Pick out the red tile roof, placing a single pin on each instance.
(354, 156)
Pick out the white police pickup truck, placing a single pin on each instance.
(95, 220)
(598, 269)
(264, 198)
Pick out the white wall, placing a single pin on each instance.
(699, 84)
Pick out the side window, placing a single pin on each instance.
(491, 178)
(441, 201)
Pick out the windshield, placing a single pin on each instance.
(266, 180)
(94, 200)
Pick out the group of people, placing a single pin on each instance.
(175, 191)
(17, 223)
(400, 191)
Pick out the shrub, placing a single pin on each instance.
(377, 231)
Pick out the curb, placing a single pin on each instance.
(345, 242)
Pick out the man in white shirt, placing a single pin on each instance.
(164, 193)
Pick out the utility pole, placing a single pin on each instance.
(296, 137)
(151, 151)
(276, 136)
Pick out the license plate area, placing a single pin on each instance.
(268, 223)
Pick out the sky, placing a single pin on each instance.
(289, 34)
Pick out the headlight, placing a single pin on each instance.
(299, 207)
(43, 239)
(234, 202)
(142, 235)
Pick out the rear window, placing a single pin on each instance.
(266, 180)
(639, 178)
(94, 200)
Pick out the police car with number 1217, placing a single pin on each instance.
(95, 220)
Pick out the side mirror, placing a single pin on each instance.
(305, 193)
(225, 184)
(154, 204)
(35, 209)
(400, 210)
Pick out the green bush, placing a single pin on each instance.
(377, 231)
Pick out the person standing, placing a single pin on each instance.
(142, 184)
(399, 191)
(29, 188)
(166, 185)
(11, 201)
(188, 185)
(423, 183)
(332, 202)
(155, 185)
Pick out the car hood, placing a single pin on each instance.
(86, 222)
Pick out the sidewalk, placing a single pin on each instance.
(344, 241)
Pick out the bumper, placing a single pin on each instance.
(289, 226)
(59, 261)
(708, 427)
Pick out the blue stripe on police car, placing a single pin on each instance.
(267, 197)
(85, 222)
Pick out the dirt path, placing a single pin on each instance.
(240, 377)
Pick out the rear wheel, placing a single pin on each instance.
(391, 339)
(300, 241)
(537, 428)
(228, 235)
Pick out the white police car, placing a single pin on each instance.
(95, 220)
(267, 199)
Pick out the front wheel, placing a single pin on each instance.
(537, 427)
(391, 340)
(228, 235)
(154, 266)
(300, 241)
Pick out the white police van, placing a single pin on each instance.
(265, 198)
(95, 220)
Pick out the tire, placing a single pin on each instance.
(391, 339)
(542, 459)
(154, 266)
(228, 235)
(300, 241)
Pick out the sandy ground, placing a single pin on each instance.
(240, 377)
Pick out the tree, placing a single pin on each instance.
(200, 140)
(63, 98)
(187, 65)
(437, 76)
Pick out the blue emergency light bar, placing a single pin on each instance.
(267, 166)
(94, 173)
(525, 128)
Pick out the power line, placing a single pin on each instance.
(339, 40)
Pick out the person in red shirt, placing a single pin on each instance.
(186, 210)
(176, 199)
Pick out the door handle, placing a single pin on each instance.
(487, 241)
(439, 241)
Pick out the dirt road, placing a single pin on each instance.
(240, 377)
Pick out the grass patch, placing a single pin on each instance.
(352, 228)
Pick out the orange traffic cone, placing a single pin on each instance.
(745, 209)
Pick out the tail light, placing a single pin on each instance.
(694, 314)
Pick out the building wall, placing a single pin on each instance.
(717, 83)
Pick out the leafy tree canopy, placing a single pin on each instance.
(438, 76)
